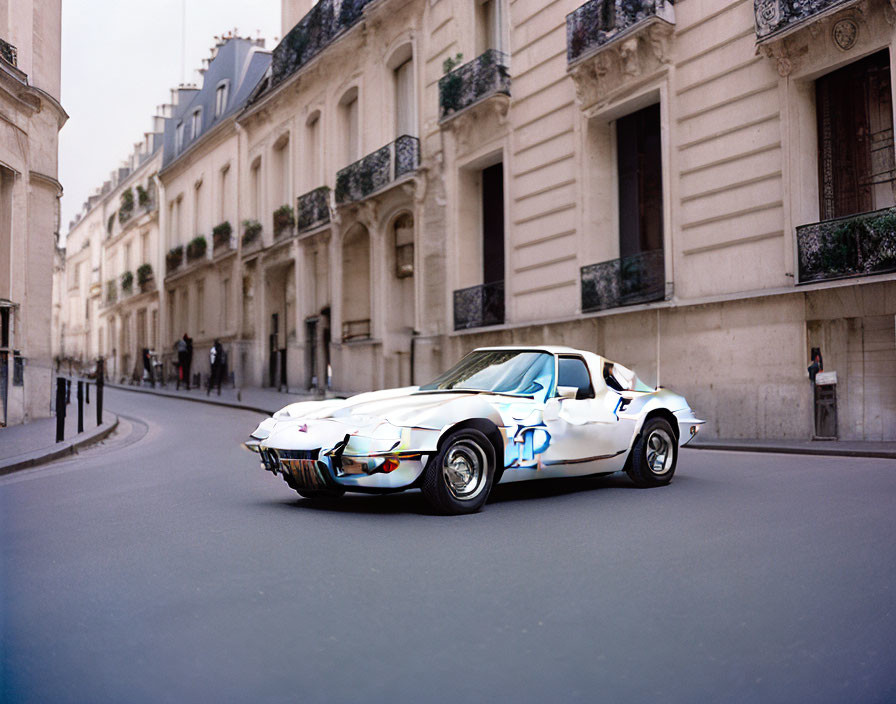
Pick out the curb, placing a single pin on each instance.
(38, 457)
(209, 401)
(790, 450)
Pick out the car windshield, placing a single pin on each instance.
(500, 371)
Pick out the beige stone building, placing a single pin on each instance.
(107, 292)
(701, 189)
(30, 120)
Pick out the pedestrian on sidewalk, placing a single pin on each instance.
(184, 349)
(216, 359)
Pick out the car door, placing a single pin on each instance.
(586, 432)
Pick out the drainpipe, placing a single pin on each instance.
(657, 348)
(414, 334)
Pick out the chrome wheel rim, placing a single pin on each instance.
(660, 452)
(464, 470)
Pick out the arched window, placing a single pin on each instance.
(356, 284)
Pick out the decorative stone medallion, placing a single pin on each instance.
(768, 15)
(845, 33)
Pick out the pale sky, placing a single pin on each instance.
(120, 58)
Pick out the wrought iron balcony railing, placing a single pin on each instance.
(313, 209)
(473, 82)
(628, 281)
(356, 330)
(326, 21)
(375, 171)
(598, 22)
(478, 306)
(857, 245)
(9, 53)
(774, 16)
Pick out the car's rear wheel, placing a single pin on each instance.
(654, 456)
(459, 477)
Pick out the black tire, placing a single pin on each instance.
(458, 478)
(311, 494)
(650, 463)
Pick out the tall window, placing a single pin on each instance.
(221, 98)
(255, 188)
(223, 194)
(493, 224)
(402, 65)
(195, 123)
(280, 165)
(198, 215)
(350, 127)
(856, 168)
(489, 22)
(312, 151)
(179, 137)
(639, 159)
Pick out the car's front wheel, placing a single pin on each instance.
(459, 477)
(654, 455)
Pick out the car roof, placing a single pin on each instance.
(550, 349)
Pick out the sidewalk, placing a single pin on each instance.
(33, 443)
(837, 448)
(251, 398)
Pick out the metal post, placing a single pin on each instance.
(60, 409)
(80, 406)
(87, 392)
(100, 381)
(68, 391)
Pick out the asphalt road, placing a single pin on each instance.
(166, 566)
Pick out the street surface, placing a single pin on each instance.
(166, 566)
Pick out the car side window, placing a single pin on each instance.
(572, 371)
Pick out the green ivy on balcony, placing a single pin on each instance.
(196, 248)
(251, 231)
(144, 276)
(221, 235)
(481, 78)
(598, 22)
(284, 220)
(313, 208)
(127, 281)
(856, 245)
(127, 206)
(174, 258)
(377, 170)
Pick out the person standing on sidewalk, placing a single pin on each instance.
(216, 360)
(184, 358)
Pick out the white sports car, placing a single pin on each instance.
(501, 414)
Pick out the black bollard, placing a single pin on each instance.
(100, 372)
(60, 409)
(68, 391)
(80, 406)
(87, 392)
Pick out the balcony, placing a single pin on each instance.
(313, 209)
(599, 22)
(857, 245)
(323, 24)
(9, 53)
(473, 82)
(377, 170)
(628, 281)
(775, 17)
(478, 306)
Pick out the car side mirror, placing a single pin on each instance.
(569, 392)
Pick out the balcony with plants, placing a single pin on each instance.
(9, 53)
(221, 237)
(598, 23)
(127, 283)
(145, 278)
(775, 18)
(196, 249)
(326, 22)
(378, 170)
(479, 306)
(174, 259)
(126, 208)
(856, 245)
(251, 233)
(628, 281)
(471, 83)
(284, 221)
(313, 209)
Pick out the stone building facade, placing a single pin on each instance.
(30, 120)
(703, 190)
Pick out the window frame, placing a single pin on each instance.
(591, 394)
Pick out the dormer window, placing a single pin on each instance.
(179, 137)
(221, 98)
(196, 123)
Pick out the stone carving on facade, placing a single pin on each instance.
(606, 73)
(845, 33)
(480, 123)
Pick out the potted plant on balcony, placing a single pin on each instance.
(127, 282)
(127, 206)
(284, 219)
(221, 235)
(144, 277)
(251, 231)
(142, 196)
(196, 248)
(174, 258)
